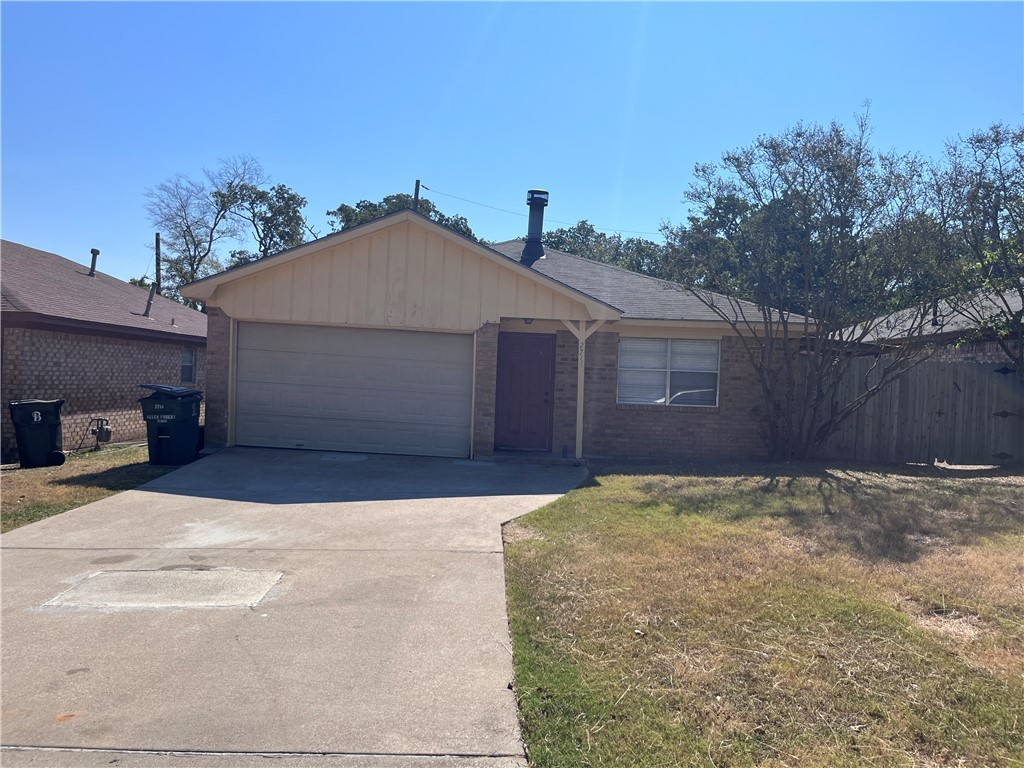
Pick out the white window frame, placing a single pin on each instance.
(191, 351)
(668, 371)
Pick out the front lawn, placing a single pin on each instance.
(28, 495)
(772, 616)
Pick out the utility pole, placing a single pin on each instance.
(416, 198)
(156, 282)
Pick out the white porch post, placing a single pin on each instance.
(582, 330)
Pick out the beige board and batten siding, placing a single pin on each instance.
(402, 276)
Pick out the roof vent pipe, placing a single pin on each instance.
(149, 301)
(537, 199)
(92, 270)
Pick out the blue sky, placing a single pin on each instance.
(607, 105)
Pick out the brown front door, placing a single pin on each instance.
(525, 393)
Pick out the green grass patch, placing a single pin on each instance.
(748, 617)
(29, 495)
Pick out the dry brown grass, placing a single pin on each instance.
(28, 495)
(751, 617)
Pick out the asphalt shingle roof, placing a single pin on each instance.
(638, 296)
(951, 321)
(43, 283)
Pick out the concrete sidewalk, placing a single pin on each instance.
(324, 609)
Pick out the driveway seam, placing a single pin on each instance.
(218, 753)
(252, 549)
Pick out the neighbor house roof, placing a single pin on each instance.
(951, 320)
(960, 316)
(638, 296)
(48, 289)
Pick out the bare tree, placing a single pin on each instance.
(194, 216)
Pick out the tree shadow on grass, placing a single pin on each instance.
(875, 513)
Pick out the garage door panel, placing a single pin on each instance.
(353, 389)
(294, 369)
(367, 408)
(318, 402)
(359, 342)
(327, 434)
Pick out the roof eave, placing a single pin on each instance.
(22, 319)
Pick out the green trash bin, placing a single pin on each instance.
(172, 423)
(38, 432)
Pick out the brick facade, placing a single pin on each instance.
(975, 352)
(218, 347)
(563, 438)
(732, 430)
(97, 376)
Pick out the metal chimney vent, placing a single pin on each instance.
(537, 199)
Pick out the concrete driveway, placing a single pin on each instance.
(320, 608)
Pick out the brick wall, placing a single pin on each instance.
(729, 431)
(97, 376)
(218, 347)
(564, 432)
(976, 352)
(486, 380)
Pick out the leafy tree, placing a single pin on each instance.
(346, 216)
(584, 240)
(272, 216)
(641, 255)
(984, 180)
(809, 244)
(196, 217)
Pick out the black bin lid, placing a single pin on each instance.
(166, 390)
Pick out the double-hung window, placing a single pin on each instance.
(188, 365)
(668, 372)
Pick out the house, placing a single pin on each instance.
(401, 336)
(76, 334)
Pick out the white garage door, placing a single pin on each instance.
(346, 389)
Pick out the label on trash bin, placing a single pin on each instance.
(160, 417)
(36, 416)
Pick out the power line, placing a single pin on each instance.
(474, 202)
(524, 215)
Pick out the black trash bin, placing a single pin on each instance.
(38, 432)
(172, 423)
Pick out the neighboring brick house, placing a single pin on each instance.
(401, 336)
(85, 339)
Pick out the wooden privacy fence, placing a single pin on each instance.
(959, 413)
